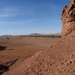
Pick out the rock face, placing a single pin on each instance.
(68, 19)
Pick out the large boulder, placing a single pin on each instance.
(68, 19)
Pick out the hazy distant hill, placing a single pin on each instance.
(35, 34)
(6, 35)
(57, 34)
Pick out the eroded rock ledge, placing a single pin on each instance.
(68, 19)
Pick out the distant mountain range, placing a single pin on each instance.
(34, 34)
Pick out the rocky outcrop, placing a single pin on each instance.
(68, 19)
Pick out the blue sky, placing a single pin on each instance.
(18, 17)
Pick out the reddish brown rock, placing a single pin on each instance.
(68, 19)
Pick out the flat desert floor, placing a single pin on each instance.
(19, 48)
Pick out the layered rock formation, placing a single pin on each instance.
(59, 59)
(68, 18)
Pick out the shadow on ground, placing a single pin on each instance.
(3, 68)
(2, 48)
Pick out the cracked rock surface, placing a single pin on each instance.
(68, 18)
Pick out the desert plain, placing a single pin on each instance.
(15, 49)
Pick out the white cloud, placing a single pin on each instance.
(14, 11)
(27, 9)
(51, 7)
(7, 12)
(17, 23)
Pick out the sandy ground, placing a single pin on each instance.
(19, 48)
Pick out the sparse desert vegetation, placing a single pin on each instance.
(21, 47)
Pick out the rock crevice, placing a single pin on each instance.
(68, 19)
